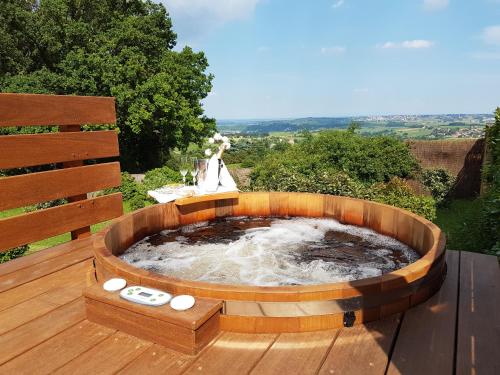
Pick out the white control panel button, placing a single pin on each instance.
(181, 303)
(114, 285)
(145, 296)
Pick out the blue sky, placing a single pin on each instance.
(291, 58)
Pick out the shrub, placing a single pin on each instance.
(44, 205)
(13, 253)
(440, 183)
(490, 216)
(158, 177)
(398, 193)
(129, 187)
(136, 202)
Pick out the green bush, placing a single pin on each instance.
(137, 202)
(397, 193)
(440, 183)
(13, 253)
(45, 205)
(129, 187)
(158, 177)
(490, 215)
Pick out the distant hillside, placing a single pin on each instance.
(378, 122)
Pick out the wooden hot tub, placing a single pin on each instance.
(288, 308)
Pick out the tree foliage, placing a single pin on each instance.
(345, 163)
(491, 201)
(120, 48)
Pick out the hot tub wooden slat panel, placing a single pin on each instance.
(395, 291)
(224, 207)
(252, 204)
(278, 204)
(196, 212)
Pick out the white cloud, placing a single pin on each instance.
(334, 50)
(338, 4)
(407, 44)
(491, 35)
(435, 4)
(192, 19)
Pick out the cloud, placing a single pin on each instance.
(334, 50)
(407, 44)
(338, 4)
(491, 35)
(194, 19)
(433, 5)
(262, 49)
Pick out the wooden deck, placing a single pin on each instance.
(43, 330)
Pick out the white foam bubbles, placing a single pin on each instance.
(267, 255)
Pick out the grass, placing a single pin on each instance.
(56, 240)
(460, 222)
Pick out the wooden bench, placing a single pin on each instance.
(61, 158)
(186, 331)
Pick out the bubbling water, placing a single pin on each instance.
(270, 252)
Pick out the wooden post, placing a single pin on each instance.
(85, 231)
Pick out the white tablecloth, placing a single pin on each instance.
(164, 195)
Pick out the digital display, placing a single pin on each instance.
(144, 294)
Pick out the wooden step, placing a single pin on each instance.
(186, 331)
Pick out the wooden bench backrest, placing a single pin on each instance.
(72, 179)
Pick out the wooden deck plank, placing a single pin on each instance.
(232, 353)
(43, 255)
(58, 350)
(27, 336)
(47, 267)
(38, 306)
(107, 357)
(362, 349)
(158, 359)
(296, 353)
(426, 340)
(74, 274)
(478, 336)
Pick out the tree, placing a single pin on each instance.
(120, 48)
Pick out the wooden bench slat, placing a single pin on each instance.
(478, 336)
(23, 190)
(47, 110)
(38, 225)
(38, 149)
(426, 340)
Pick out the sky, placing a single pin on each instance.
(297, 58)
